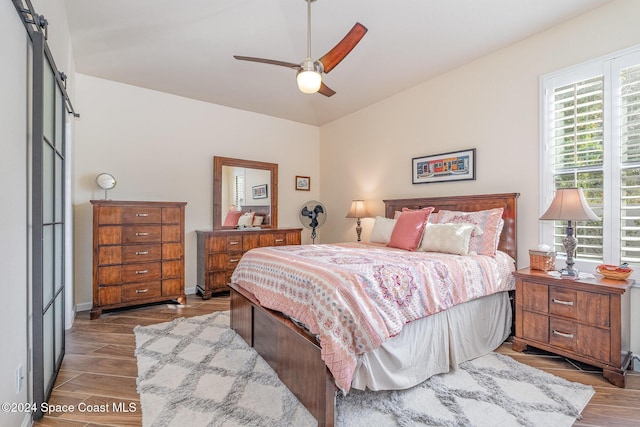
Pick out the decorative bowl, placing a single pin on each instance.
(614, 272)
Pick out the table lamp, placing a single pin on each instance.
(358, 210)
(569, 205)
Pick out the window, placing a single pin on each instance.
(238, 190)
(591, 139)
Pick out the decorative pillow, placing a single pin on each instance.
(488, 220)
(409, 228)
(382, 229)
(232, 218)
(258, 220)
(246, 219)
(448, 238)
(431, 220)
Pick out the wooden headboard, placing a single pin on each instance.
(508, 242)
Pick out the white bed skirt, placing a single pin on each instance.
(435, 344)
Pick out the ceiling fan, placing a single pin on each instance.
(310, 72)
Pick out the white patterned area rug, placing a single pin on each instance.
(198, 372)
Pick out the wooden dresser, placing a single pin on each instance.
(585, 320)
(138, 253)
(219, 252)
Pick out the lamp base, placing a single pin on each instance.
(571, 274)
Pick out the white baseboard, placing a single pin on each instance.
(86, 306)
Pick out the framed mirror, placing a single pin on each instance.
(244, 187)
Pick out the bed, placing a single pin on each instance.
(294, 353)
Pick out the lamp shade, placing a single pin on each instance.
(569, 204)
(358, 210)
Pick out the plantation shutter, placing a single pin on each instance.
(239, 190)
(630, 164)
(578, 157)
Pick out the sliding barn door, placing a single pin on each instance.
(48, 226)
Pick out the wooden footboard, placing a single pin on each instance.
(289, 350)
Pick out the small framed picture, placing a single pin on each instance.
(452, 166)
(259, 191)
(303, 183)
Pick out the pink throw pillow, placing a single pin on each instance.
(488, 221)
(408, 230)
(231, 220)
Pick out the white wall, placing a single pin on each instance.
(491, 104)
(161, 147)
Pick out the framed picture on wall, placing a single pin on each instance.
(259, 191)
(452, 166)
(303, 183)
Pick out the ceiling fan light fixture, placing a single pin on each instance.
(309, 77)
(309, 81)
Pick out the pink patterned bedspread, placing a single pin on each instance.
(356, 296)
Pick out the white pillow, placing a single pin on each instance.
(382, 229)
(448, 238)
(246, 219)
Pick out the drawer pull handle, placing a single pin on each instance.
(562, 334)
(142, 271)
(142, 253)
(142, 234)
(142, 214)
(234, 242)
(141, 291)
(557, 301)
(279, 240)
(234, 260)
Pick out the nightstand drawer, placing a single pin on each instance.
(563, 334)
(563, 302)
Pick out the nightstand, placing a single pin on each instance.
(584, 320)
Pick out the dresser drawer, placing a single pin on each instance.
(129, 215)
(141, 215)
(141, 272)
(137, 291)
(273, 239)
(233, 243)
(223, 261)
(140, 253)
(141, 234)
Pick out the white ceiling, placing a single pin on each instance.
(186, 47)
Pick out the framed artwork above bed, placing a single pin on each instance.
(452, 166)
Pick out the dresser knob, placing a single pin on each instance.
(142, 234)
(141, 291)
(142, 271)
(142, 214)
(142, 253)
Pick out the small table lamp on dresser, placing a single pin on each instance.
(358, 210)
(569, 205)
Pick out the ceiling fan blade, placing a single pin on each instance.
(326, 90)
(342, 49)
(268, 61)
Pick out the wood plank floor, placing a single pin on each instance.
(99, 371)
